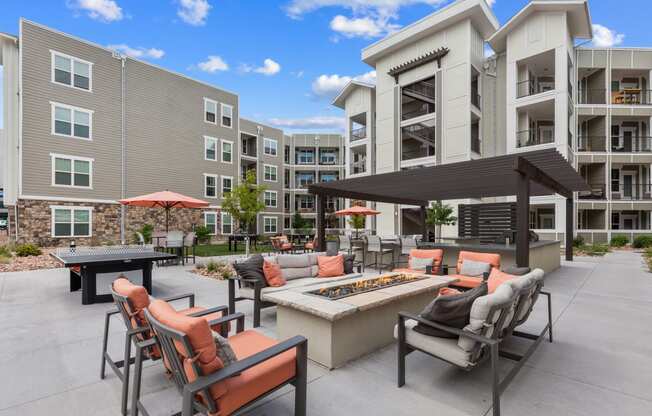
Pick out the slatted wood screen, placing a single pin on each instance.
(487, 221)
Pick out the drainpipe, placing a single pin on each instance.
(123, 173)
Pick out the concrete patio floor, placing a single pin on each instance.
(599, 364)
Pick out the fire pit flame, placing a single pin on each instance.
(362, 286)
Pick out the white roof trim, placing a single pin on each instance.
(339, 101)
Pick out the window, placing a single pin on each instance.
(286, 223)
(71, 222)
(328, 177)
(286, 202)
(71, 171)
(227, 184)
(210, 222)
(210, 186)
(270, 224)
(227, 115)
(227, 223)
(227, 151)
(71, 121)
(328, 157)
(286, 155)
(270, 146)
(271, 173)
(270, 199)
(304, 179)
(305, 156)
(210, 111)
(71, 71)
(210, 148)
(306, 202)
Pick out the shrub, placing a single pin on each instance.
(219, 269)
(642, 241)
(596, 249)
(203, 234)
(619, 241)
(578, 241)
(5, 260)
(4, 251)
(24, 250)
(146, 230)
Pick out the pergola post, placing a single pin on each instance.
(523, 220)
(321, 222)
(424, 228)
(570, 226)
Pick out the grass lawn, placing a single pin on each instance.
(209, 250)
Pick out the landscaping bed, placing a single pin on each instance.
(26, 257)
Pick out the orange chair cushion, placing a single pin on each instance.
(496, 278)
(286, 246)
(435, 254)
(331, 266)
(491, 258)
(467, 282)
(138, 297)
(309, 246)
(258, 380)
(273, 275)
(201, 340)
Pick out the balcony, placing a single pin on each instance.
(631, 96)
(476, 145)
(417, 141)
(533, 87)
(328, 156)
(303, 180)
(248, 145)
(305, 156)
(631, 144)
(476, 99)
(631, 220)
(418, 99)
(598, 192)
(535, 74)
(526, 138)
(591, 219)
(592, 96)
(359, 166)
(592, 144)
(631, 191)
(359, 133)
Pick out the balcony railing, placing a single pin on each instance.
(359, 133)
(422, 88)
(589, 143)
(424, 109)
(475, 144)
(632, 96)
(631, 191)
(530, 87)
(416, 154)
(476, 99)
(527, 138)
(598, 191)
(636, 144)
(592, 96)
(358, 167)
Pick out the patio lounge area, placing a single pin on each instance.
(599, 363)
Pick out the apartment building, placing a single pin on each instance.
(439, 99)
(85, 127)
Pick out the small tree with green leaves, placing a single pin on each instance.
(244, 202)
(357, 222)
(440, 214)
(298, 222)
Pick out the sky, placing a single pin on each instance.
(286, 59)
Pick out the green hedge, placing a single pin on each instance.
(619, 241)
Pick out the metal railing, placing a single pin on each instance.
(636, 144)
(476, 100)
(358, 167)
(527, 138)
(631, 191)
(589, 143)
(598, 191)
(424, 109)
(422, 88)
(416, 154)
(530, 87)
(359, 133)
(592, 96)
(632, 96)
(475, 144)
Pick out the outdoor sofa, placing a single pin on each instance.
(297, 269)
(494, 317)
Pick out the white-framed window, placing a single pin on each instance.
(210, 185)
(72, 72)
(210, 148)
(71, 121)
(210, 111)
(227, 223)
(227, 184)
(270, 173)
(270, 198)
(72, 171)
(306, 202)
(270, 146)
(227, 151)
(227, 115)
(210, 222)
(270, 225)
(71, 221)
(306, 156)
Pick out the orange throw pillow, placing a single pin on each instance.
(273, 275)
(496, 278)
(331, 266)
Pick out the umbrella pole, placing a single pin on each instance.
(167, 218)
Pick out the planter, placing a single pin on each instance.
(332, 247)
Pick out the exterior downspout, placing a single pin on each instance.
(123, 208)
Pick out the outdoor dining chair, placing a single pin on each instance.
(263, 364)
(189, 244)
(407, 245)
(131, 300)
(174, 243)
(375, 246)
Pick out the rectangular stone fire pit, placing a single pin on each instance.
(342, 325)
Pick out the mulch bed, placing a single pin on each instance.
(19, 264)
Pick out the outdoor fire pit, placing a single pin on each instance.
(362, 286)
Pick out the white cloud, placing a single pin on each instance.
(328, 86)
(213, 64)
(310, 123)
(194, 12)
(138, 52)
(365, 27)
(270, 67)
(603, 37)
(103, 10)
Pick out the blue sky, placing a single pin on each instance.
(285, 58)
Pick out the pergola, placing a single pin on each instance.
(536, 173)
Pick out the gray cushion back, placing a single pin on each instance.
(345, 242)
(536, 281)
(488, 316)
(373, 243)
(292, 273)
(293, 260)
(407, 244)
(298, 266)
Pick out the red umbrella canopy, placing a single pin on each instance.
(357, 210)
(164, 199)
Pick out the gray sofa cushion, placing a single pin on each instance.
(293, 260)
(451, 310)
(474, 268)
(439, 347)
(291, 273)
(349, 260)
(417, 263)
(480, 318)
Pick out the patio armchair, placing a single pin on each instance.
(407, 245)
(131, 300)
(470, 282)
(437, 256)
(310, 245)
(281, 245)
(493, 318)
(189, 244)
(174, 242)
(263, 366)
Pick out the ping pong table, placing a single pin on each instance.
(93, 269)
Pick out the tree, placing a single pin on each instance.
(298, 223)
(244, 202)
(439, 214)
(357, 222)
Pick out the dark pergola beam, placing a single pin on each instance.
(321, 222)
(535, 174)
(570, 226)
(318, 190)
(424, 227)
(523, 221)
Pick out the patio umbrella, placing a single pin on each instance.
(166, 200)
(356, 210)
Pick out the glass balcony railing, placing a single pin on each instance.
(359, 133)
(587, 143)
(527, 138)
